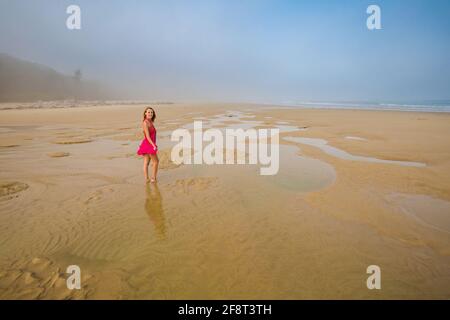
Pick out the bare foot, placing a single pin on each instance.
(153, 180)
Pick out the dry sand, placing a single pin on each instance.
(72, 193)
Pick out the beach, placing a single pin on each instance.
(355, 188)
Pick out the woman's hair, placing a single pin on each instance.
(145, 111)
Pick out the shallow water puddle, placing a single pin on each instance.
(222, 121)
(355, 138)
(431, 212)
(341, 154)
(296, 173)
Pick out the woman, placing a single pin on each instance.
(148, 147)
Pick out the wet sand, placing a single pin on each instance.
(72, 193)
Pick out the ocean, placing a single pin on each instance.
(420, 106)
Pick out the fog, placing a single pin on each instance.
(253, 51)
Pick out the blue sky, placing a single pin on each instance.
(264, 51)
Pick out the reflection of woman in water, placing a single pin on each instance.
(148, 147)
(154, 208)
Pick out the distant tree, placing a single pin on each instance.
(77, 75)
(77, 90)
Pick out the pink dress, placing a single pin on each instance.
(146, 147)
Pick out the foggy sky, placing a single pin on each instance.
(256, 51)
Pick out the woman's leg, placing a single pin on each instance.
(146, 163)
(155, 162)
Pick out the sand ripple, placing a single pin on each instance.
(194, 184)
(38, 278)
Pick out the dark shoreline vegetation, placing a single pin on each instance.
(25, 81)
